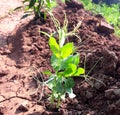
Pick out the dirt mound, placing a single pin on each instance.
(27, 50)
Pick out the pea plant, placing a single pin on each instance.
(38, 7)
(65, 61)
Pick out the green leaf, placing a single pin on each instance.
(25, 1)
(17, 8)
(66, 61)
(48, 4)
(69, 83)
(59, 87)
(54, 47)
(72, 59)
(47, 72)
(25, 16)
(51, 4)
(76, 59)
(32, 3)
(67, 50)
(26, 8)
(70, 70)
(55, 62)
(79, 71)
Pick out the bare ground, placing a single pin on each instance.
(24, 54)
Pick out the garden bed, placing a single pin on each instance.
(26, 55)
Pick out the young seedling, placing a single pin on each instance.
(65, 61)
(39, 7)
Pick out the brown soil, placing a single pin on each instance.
(25, 53)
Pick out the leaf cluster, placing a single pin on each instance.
(39, 7)
(65, 61)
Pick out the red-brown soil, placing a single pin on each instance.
(25, 55)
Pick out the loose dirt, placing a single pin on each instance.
(25, 54)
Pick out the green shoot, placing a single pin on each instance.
(38, 7)
(64, 61)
